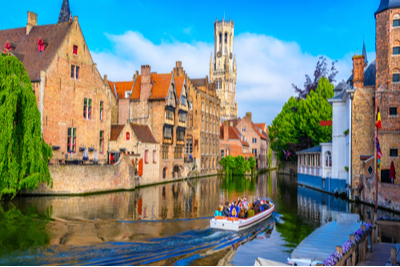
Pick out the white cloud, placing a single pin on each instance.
(267, 67)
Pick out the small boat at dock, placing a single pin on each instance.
(236, 224)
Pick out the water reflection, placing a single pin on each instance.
(166, 224)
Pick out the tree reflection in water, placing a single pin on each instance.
(239, 184)
(23, 230)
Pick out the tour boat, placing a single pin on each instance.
(236, 224)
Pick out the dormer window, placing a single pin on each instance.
(41, 45)
(75, 50)
(9, 46)
(184, 100)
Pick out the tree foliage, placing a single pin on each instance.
(235, 166)
(297, 127)
(24, 156)
(252, 165)
(311, 84)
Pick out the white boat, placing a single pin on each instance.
(235, 224)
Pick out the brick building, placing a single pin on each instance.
(73, 101)
(159, 101)
(204, 119)
(232, 142)
(138, 142)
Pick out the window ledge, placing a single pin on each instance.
(393, 116)
(394, 157)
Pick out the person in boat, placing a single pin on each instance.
(245, 204)
(226, 212)
(242, 214)
(250, 212)
(218, 212)
(234, 212)
(265, 205)
(258, 201)
(257, 209)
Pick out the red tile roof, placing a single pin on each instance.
(160, 87)
(161, 83)
(259, 131)
(121, 88)
(26, 46)
(116, 131)
(143, 133)
(260, 125)
(233, 131)
(179, 85)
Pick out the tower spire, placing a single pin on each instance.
(65, 12)
(364, 52)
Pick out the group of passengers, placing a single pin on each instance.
(242, 209)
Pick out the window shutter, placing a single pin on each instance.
(141, 167)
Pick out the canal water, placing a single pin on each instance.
(163, 225)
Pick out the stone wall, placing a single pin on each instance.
(78, 179)
(388, 194)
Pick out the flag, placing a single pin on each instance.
(378, 119)
(379, 165)
(287, 153)
(378, 147)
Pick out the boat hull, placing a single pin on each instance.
(240, 224)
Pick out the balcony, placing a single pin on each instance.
(310, 170)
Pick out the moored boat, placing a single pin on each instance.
(236, 224)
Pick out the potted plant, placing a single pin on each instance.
(346, 168)
(346, 132)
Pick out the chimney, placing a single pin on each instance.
(32, 22)
(358, 71)
(178, 70)
(226, 130)
(145, 87)
(105, 79)
(248, 115)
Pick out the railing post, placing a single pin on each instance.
(353, 253)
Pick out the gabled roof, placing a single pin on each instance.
(120, 88)
(310, 150)
(266, 136)
(161, 83)
(179, 85)
(116, 131)
(159, 90)
(262, 126)
(143, 133)
(27, 45)
(235, 134)
(259, 131)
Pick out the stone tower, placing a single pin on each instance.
(65, 12)
(223, 68)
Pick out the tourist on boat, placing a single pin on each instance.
(226, 212)
(258, 201)
(250, 212)
(265, 205)
(257, 209)
(241, 214)
(218, 212)
(234, 212)
(245, 204)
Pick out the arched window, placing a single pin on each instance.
(220, 38)
(220, 83)
(226, 37)
(328, 159)
(164, 173)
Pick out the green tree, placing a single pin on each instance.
(24, 156)
(252, 165)
(242, 166)
(297, 127)
(269, 157)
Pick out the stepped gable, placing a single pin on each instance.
(26, 45)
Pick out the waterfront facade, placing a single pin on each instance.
(202, 142)
(223, 68)
(73, 101)
(232, 142)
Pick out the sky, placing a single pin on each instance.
(276, 42)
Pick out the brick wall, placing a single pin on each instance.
(63, 98)
(72, 179)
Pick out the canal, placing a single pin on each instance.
(163, 225)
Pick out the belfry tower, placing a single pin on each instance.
(223, 68)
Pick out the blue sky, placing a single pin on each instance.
(276, 42)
